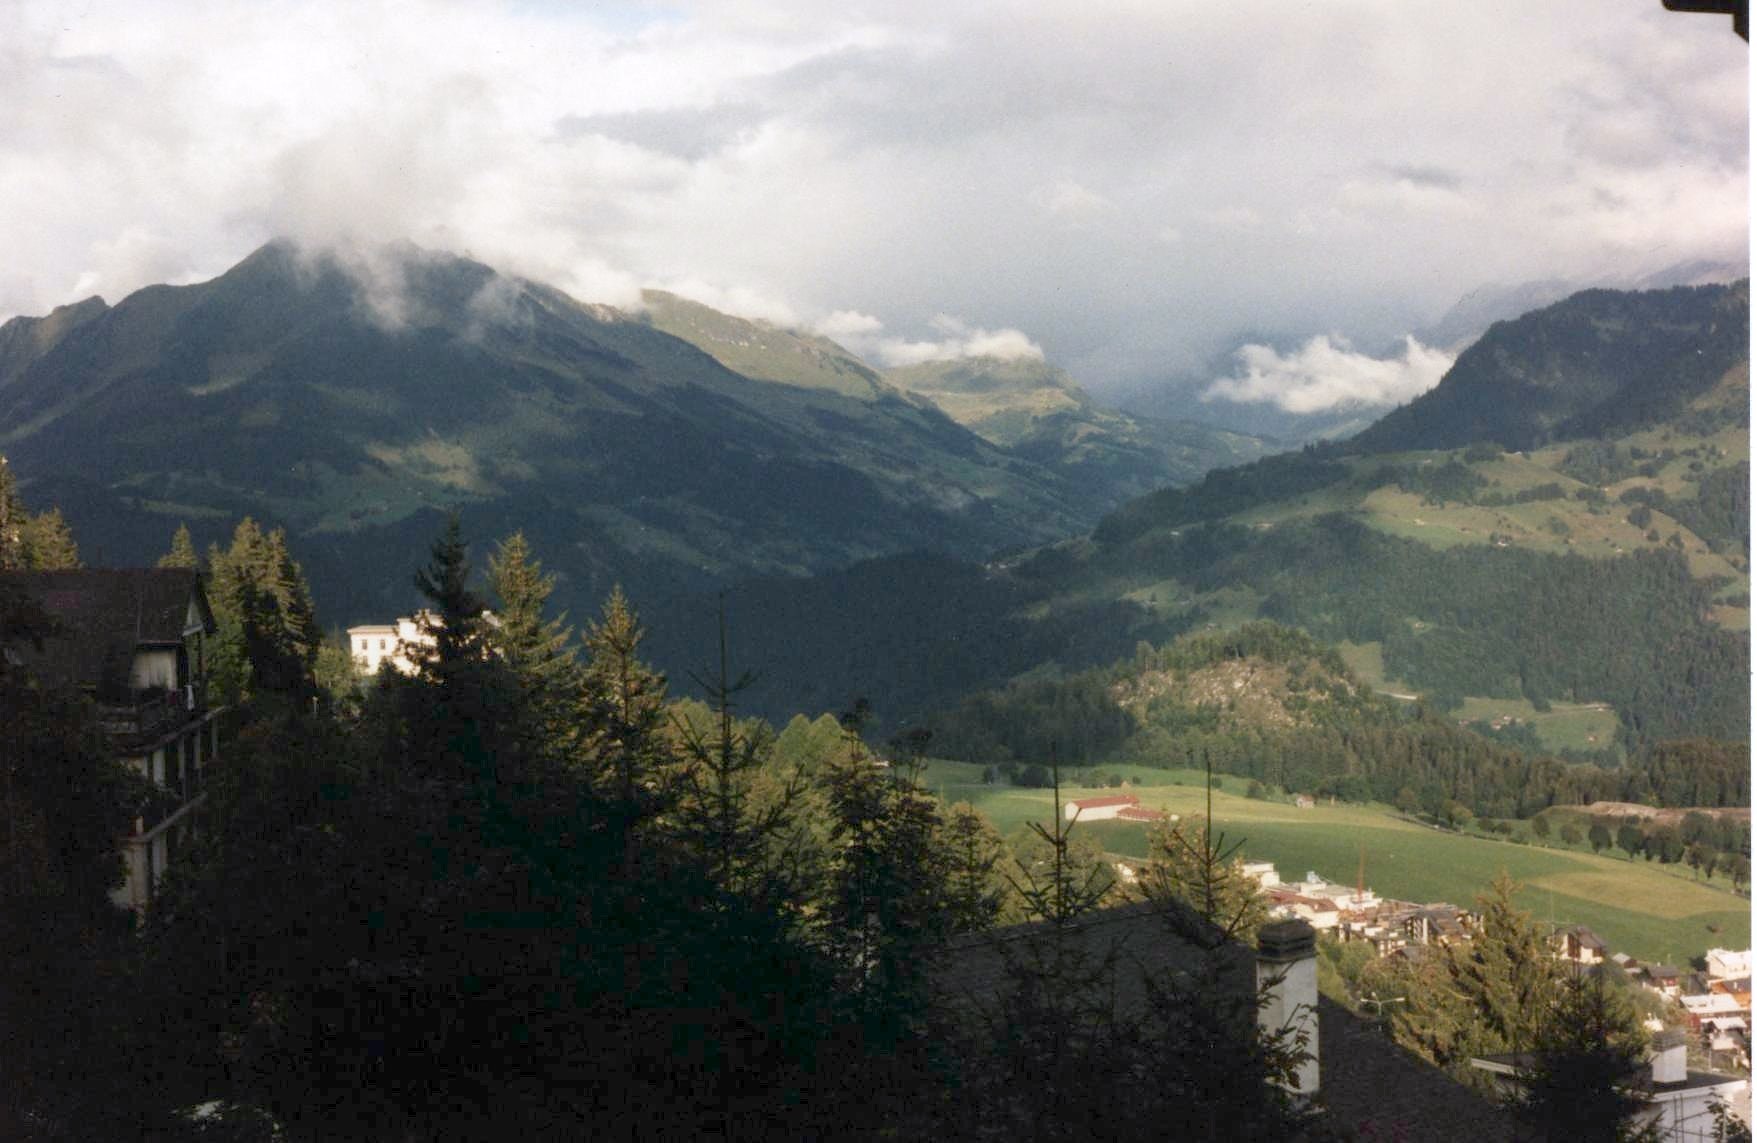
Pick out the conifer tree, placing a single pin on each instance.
(1187, 863)
(1584, 1082)
(182, 553)
(535, 648)
(886, 880)
(46, 543)
(268, 633)
(622, 701)
(746, 845)
(976, 886)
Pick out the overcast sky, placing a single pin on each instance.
(1130, 188)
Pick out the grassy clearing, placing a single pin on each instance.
(1636, 907)
(1565, 726)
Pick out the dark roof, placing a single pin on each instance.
(1380, 1091)
(972, 972)
(1583, 934)
(1366, 1080)
(104, 614)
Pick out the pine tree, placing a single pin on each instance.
(1189, 864)
(976, 886)
(534, 648)
(454, 620)
(886, 879)
(1584, 1082)
(47, 543)
(268, 633)
(748, 846)
(622, 702)
(182, 553)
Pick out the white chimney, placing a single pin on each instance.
(1287, 972)
(1667, 1055)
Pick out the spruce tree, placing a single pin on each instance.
(976, 887)
(47, 544)
(622, 702)
(747, 845)
(1588, 1066)
(182, 553)
(536, 649)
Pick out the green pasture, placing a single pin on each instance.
(1637, 908)
(1566, 725)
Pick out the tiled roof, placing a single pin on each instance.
(104, 615)
(1108, 800)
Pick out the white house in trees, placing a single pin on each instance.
(401, 644)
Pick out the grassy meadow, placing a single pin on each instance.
(1639, 908)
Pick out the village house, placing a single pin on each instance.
(1726, 964)
(1680, 1102)
(1663, 979)
(1579, 945)
(136, 641)
(404, 645)
(1100, 809)
(401, 644)
(1288, 901)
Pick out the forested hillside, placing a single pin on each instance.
(1599, 363)
(1273, 704)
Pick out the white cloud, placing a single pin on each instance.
(1071, 201)
(1133, 183)
(1326, 373)
(864, 334)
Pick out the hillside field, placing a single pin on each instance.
(1641, 909)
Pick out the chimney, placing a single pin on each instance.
(1667, 1056)
(1287, 977)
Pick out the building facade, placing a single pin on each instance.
(136, 641)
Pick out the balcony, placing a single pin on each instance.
(139, 717)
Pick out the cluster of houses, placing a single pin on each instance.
(1356, 913)
(1715, 1002)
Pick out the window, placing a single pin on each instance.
(381, 644)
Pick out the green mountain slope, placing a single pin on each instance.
(1040, 413)
(286, 389)
(763, 351)
(1597, 363)
(1595, 588)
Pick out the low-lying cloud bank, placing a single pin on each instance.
(1325, 373)
(864, 334)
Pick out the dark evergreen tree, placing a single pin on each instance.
(1587, 1067)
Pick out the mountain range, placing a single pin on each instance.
(1563, 520)
(673, 448)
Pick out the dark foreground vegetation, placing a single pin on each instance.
(521, 894)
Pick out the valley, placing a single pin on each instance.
(1653, 912)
